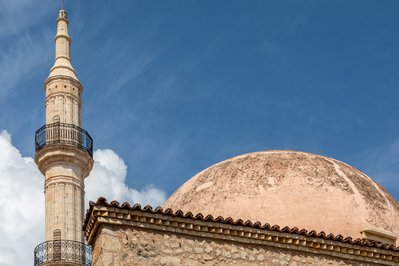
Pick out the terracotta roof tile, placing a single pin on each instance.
(209, 218)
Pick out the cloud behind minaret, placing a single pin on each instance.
(21, 205)
(107, 179)
(22, 197)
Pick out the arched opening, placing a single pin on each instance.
(57, 244)
(56, 128)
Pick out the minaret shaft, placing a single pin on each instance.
(64, 195)
(63, 101)
(64, 160)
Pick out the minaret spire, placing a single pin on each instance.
(62, 65)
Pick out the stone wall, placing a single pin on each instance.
(135, 246)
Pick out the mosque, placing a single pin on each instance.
(263, 208)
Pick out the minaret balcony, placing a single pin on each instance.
(63, 134)
(63, 252)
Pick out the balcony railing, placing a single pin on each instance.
(61, 133)
(63, 251)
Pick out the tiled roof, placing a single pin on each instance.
(209, 218)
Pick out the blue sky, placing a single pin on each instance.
(175, 86)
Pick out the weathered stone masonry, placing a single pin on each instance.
(133, 246)
(125, 235)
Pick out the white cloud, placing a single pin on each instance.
(21, 205)
(107, 179)
(22, 198)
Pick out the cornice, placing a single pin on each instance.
(102, 212)
(62, 78)
(59, 153)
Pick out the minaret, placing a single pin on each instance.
(64, 156)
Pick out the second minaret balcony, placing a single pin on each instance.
(63, 134)
(63, 252)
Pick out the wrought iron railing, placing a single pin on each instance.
(63, 251)
(62, 133)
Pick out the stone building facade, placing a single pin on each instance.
(131, 235)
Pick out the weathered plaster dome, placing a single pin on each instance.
(289, 188)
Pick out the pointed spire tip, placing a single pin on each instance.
(62, 14)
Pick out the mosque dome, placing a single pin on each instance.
(290, 188)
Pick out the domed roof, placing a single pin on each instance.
(289, 188)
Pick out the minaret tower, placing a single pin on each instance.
(64, 156)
